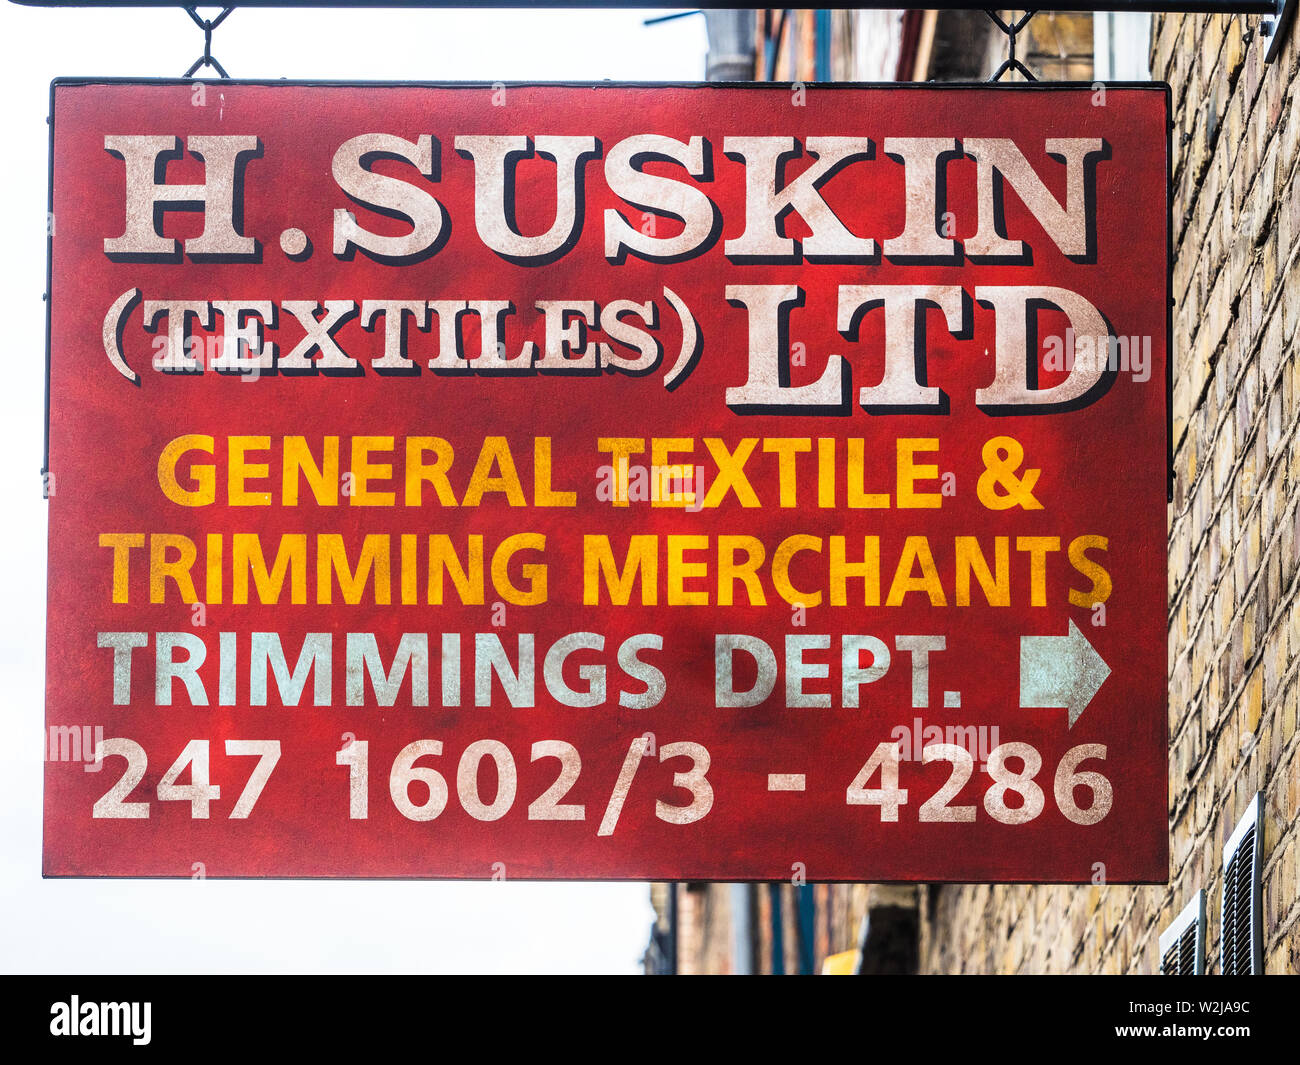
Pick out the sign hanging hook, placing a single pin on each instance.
(1011, 62)
(207, 26)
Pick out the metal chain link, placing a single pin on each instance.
(207, 26)
(1011, 62)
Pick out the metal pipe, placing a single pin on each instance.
(673, 918)
(1194, 7)
(778, 930)
(742, 929)
(731, 45)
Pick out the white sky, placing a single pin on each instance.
(125, 926)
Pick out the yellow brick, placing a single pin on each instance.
(1233, 49)
(1254, 701)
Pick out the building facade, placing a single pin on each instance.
(1231, 903)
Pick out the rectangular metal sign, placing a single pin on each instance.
(607, 481)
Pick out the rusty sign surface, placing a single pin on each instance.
(607, 481)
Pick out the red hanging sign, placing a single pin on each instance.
(605, 481)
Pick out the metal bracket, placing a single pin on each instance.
(1274, 27)
(1011, 63)
(207, 26)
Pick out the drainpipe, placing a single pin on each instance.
(731, 45)
(674, 919)
(822, 44)
(742, 929)
(806, 912)
(778, 930)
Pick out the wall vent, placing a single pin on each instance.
(1182, 944)
(1241, 937)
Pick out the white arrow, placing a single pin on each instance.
(1060, 671)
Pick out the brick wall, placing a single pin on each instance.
(1234, 616)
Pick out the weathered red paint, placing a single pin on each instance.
(1103, 473)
